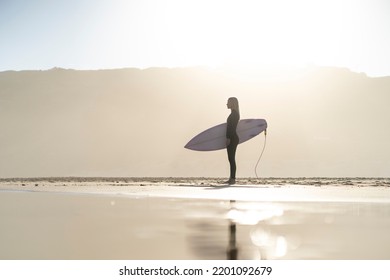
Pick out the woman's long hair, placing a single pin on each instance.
(234, 103)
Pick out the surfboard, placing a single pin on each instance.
(214, 138)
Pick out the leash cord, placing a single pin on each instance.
(265, 142)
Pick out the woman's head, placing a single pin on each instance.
(233, 104)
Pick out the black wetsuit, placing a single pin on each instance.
(231, 134)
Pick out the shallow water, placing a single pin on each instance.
(45, 225)
(299, 231)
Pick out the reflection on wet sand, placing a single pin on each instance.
(232, 251)
(242, 220)
(44, 225)
(258, 230)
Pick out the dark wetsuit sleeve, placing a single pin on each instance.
(232, 122)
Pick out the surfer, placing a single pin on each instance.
(232, 137)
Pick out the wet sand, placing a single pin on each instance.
(194, 219)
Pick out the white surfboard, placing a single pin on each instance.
(214, 138)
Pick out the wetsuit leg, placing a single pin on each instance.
(231, 150)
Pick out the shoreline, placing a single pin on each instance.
(154, 220)
(270, 190)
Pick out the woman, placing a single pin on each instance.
(232, 137)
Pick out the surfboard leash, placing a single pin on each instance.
(265, 142)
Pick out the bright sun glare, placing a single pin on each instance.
(175, 33)
(214, 33)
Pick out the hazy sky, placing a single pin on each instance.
(95, 34)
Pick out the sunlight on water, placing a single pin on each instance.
(253, 213)
(260, 237)
(280, 247)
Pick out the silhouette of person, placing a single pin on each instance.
(232, 137)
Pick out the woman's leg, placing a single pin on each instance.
(231, 150)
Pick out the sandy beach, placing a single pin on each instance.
(194, 218)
